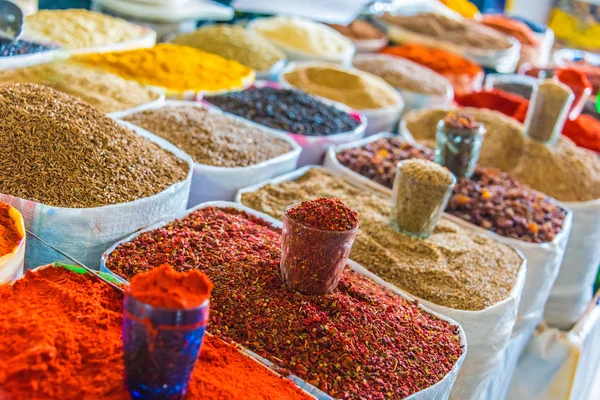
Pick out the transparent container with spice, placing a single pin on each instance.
(316, 241)
(459, 138)
(420, 193)
(550, 104)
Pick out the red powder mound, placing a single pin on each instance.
(167, 288)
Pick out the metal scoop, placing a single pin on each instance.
(11, 20)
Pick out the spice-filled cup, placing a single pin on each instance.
(548, 110)
(161, 344)
(459, 138)
(313, 254)
(420, 193)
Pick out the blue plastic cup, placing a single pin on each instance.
(160, 348)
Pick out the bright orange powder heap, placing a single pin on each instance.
(61, 339)
(165, 287)
(9, 235)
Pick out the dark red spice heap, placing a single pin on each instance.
(326, 214)
(495, 201)
(378, 160)
(490, 198)
(360, 341)
(458, 121)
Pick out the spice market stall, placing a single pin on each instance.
(424, 268)
(240, 251)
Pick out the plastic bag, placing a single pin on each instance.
(488, 331)
(86, 232)
(314, 147)
(560, 365)
(440, 390)
(221, 183)
(11, 264)
(382, 119)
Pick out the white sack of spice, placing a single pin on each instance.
(488, 327)
(80, 179)
(229, 152)
(566, 172)
(543, 260)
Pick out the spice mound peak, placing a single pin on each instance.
(165, 287)
(427, 171)
(326, 214)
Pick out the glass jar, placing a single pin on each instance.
(458, 148)
(548, 111)
(313, 260)
(417, 204)
(160, 348)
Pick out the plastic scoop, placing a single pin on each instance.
(11, 20)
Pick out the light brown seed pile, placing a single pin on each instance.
(563, 171)
(403, 74)
(451, 268)
(57, 150)
(211, 138)
(103, 90)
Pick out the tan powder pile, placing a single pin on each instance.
(352, 87)
(79, 29)
(57, 150)
(103, 90)
(234, 43)
(563, 171)
(211, 138)
(461, 32)
(403, 74)
(451, 268)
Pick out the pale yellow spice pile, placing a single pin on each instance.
(352, 87)
(78, 28)
(452, 268)
(563, 171)
(103, 90)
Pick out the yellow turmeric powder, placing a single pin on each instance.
(174, 67)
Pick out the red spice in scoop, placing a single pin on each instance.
(9, 235)
(326, 214)
(165, 287)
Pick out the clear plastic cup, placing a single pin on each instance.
(312, 260)
(548, 110)
(160, 348)
(417, 204)
(458, 149)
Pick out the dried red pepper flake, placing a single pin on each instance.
(490, 199)
(361, 341)
(324, 213)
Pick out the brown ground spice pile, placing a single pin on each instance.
(57, 150)
(211, 138)
(563, 171)
(451, 268)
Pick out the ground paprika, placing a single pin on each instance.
(61, 339)
(9, 235)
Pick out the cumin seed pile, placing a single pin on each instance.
(57, 150)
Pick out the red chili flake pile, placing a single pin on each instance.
(359, 342)
(490, 198)
(326, 214)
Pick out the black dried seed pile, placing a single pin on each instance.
(9, 48)
(286, 110)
